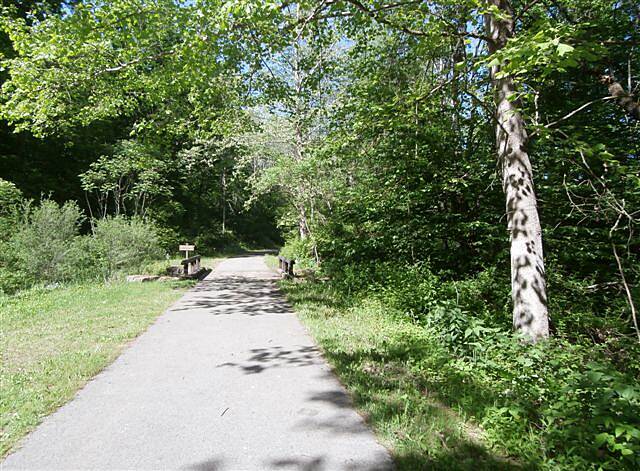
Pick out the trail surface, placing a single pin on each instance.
(227, 379)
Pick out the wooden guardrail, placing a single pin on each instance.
(191, 265)
(286, 266)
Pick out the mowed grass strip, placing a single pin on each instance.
(53, 341)
(388, 364)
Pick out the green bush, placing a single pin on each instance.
(89, 259)
(301, 251)
(11, 278)
(42, 246)
(125, 243)
(47, 247)
(557, 403)
(10, 200)
(168, 239)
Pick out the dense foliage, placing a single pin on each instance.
(397, 144)
(148, 142)
(45, 246)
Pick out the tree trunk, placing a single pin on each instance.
(224, 200)
(624, 99)
(528, 287)
(302, 224)
(299, 109)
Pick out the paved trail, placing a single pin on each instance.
(227, 379)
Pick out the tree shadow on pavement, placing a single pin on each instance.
(233, 296)
(212, 464)
(262, 359)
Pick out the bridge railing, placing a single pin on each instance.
(285, 265)
(191, 265)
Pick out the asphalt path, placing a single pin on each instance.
(226, 379)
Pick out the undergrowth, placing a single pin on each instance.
(446, 385)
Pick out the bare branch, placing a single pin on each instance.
(374, 14)
(138, 60)
(577, 110)
(627, 291)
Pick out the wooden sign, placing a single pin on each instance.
(186, 248)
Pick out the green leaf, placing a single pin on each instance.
(602, 438)
(564, 49)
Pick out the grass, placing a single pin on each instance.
(388, 364)
(53, 341)
(271, 261)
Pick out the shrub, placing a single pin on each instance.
(125, 243)
(566, 400)
(42, 245)
(13, 280)
(301, 251)
(168, 239)
(88, 259)
(10, 198)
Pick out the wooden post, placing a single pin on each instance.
(192, 265)
(285, 265)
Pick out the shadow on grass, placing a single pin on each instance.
(315, 294)
(428, 436)
(398, 383)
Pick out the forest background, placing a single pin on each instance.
(415, 156)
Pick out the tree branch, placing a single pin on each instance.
(138, 60)
(374, 14)
(577, 110)
(627, 291)
(625, 99)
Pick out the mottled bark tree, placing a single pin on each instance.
(528, 287)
